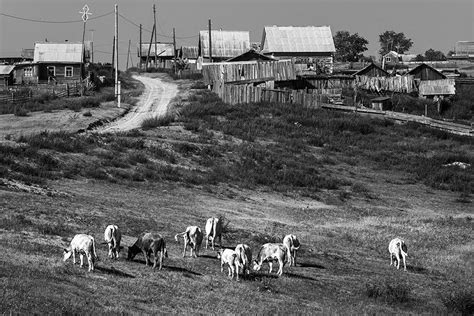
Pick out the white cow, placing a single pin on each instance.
(147, 244)
(244, 258)
(292, 244)
(112, 237)
(84, 245)
(229, 256)
(213, 231)
(269, 252)
(193, 238)
(397, 249)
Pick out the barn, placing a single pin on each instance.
(164, 55)
(309, 46)
(225, 44)
(426, 72)
(58, 62)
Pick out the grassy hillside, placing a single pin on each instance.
(344, 184)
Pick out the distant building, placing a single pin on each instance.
(57, 62)
(164, 55)
(26, 55)
(372, 70)
(393, 58)
(225, 44)
(464, 48)
(310, 46)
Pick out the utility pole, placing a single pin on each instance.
(117, 83)
(154, 26)
(174, 49)
(210, 42)
(92, 45)
(140, 51)
(113, 55)
(128, 54)
(85, 15)
(149, 47)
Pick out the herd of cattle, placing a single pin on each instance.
(237, 260)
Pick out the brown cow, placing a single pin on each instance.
(148, 243)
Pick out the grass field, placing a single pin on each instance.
(345, 185)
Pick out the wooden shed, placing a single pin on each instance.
(225, 44)
(251, 55)
(164, 55)
(308, 46)
(381, 103)
(372, 70)
(425, 72)
(6, 75)
(26, 73)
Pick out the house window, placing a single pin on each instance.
(28, 72)
(388, 59)
(68, 71)
(51, 71)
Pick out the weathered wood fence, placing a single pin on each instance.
(23, 94)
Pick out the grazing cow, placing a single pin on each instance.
(213, 231)
(397, 249)
(269, 252)
(148, 243)
(84, 245)
(113, 236)
(244, 258)
(292, 244)
(229, 256)
(192, 238)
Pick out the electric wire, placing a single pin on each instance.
(54, 22)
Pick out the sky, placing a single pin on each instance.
(429, 23)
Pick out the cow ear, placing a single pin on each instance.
(65, 250)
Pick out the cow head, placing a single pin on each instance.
(132, 252)
(67, 254)
(256, 265)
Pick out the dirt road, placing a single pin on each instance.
(153, 102)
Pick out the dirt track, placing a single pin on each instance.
(153, 102)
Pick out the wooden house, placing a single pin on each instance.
(164, 55)
(426, 72)
(393, 59)
(58, 62)
(26, 73)
(372, 70)
(310, 46)
(225, 44)
(6, 75)
(251, 55)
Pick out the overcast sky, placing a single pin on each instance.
(429, 23)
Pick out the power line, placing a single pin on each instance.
(43, 21)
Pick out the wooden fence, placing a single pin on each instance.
(219, 73)
(23, 94)
(235, 94)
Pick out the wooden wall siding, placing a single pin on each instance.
(232, 72)
(60, 72)
(437, 87)
(426, 73)
(395, 84)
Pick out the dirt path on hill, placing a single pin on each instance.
(153, 102)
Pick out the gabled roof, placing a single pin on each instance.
(6, 69)
(189, 52)
(370, 67)
(57, 52)
(294, 39)
(250, 55)
(162, 49)
(401, 57)
(225, 44)
(423, 65)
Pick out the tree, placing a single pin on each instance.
(434, 55)
(349, 47)
(420, 57)
(390, 40)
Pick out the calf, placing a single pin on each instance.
(292, 244)
(192, 238)
(148, 243)
(112, 237)
(269, 252)
(213, 231)
(229, 256)
(244, 258)
(84, 245)
(397, 249)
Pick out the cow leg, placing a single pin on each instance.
(222, 266)
(404, 263)
(391, 259)
(145, 254)
(91, 263)
(270, 264)
(280, 268)
(294, 259)
(73, 256)
(82, 259)
(397, 257)
(184, 250)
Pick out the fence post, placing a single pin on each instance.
(13, 98)
(67, 89)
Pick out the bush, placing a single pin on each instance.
(156, 121)
(391, 291)
(460, 301)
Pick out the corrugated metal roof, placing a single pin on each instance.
(162, 49)
(295, 39)
(57, 52)
(225, 44)
(190, 52)
(6, 69)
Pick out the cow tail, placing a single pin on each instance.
(96, 257)
(179, 234)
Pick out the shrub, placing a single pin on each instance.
(156, 121)
(20, 111)
(391, 291)
(460, 301)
